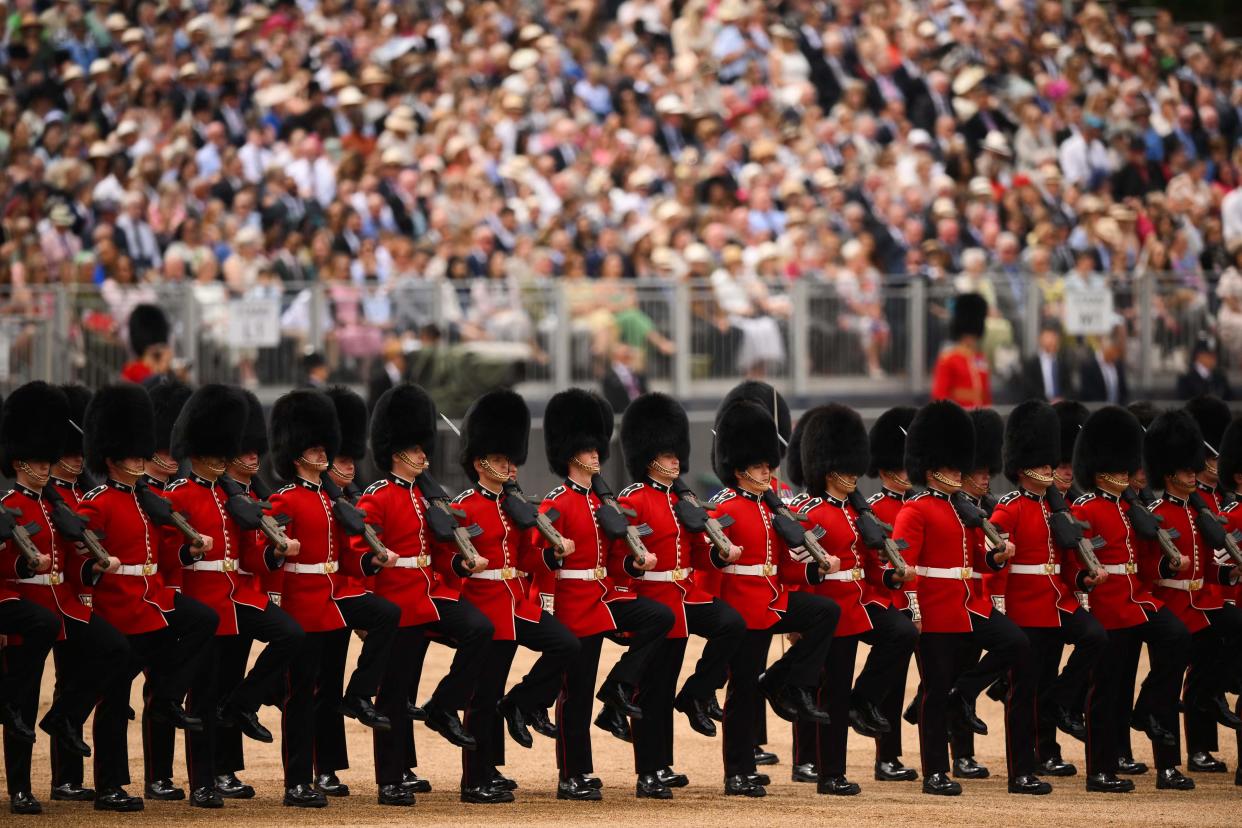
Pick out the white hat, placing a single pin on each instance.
(101, 66)
(996, 142)
(523, 59)
(980, 186)
(400, 122)
(197, 24)
(132, 36)
(74, 72)
(964, 108)
(248, 235)
(100, 149)
(350, 96)
(243, 25)
(670, 105)
(61, 216)
(531, 31)
(127, 128)
(968, 79)
(188, 70)
(698, 253)
(919, 138)
(664, 258)
(1144, 28)
(1049, 40)
(116, 22)
(394, 156)
(927, 29)
(825, 179)
(731, 10)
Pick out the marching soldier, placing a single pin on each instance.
(495, 435)
(887, 443)
(756, 569)
(1174, 454)
(655, 440)
(1109, 446)
(1039, 592)
(1071, 415)
(1229, 471)
(834, 454)
(89, 650)
(322, 586)
(207, 433)
(955, 616)
(403, 441)
(168, 633)
(577, 434)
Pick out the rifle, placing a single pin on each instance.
(20, 535)
(526, 515)
(612, 519)
(974, 517)
(695, 518)
(1068, 532)
(792, 532)
(1148, 526)
(249, 514)
(353, 519)
(73, 526)
(1212, 526)
(161, 513)
(877, 535)
(442, 518)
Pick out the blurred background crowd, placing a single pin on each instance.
(679, 190)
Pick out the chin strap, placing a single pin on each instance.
(248, 468)
(844, 483)
(1113, 481)
(41, 479)
(409, 461)
(313, 465)
(589, 469)
(75, 471)
(348, 478)
(761, 485)
(1042, 479)
(492, 473)
(944, 481)
(667, 472)
(171, 468)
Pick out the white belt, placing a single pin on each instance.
(767, 570)
(955, 573)
(1120, 569)
(596, 574)
(668, 575)
(312, 569)
(1184, 585)
(46, 579)
(506, 573)
(845, 575)
(413, 562)
(137, 569)
(1035, 569)
(223, 565)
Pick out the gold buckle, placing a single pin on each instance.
(148, 569)
(229, 565)
(330, 567)
(679, 574)
(600, 573)
(967, 573)
(1131, 568)
(54, 578)
(856, 574)
(1050, 569)
(507, 572)
(1196, 584)
(423, 560)
(769, 570)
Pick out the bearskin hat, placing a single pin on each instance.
(254, 438)
(989, 439)
(210, 424)
(1111, 440)
(763, 394)
(1230, 455)
(887, 439)
(792, 467)
(405, 416)
(1145, 410)
(168, 397)
(651, 425)
(148, 326)
(79, 397)
(745, 435)
(1213, 417)
(941, 435)
(496, 423)
(1173, 442)
(1032, 438)
(833, 440)
(33, 425)
(574, 421)
(1072, 415)
(970, 311)
(119, 423)
(302, 419)
(351, 413)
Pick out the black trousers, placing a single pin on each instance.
(724, 630)
(892, 639)
(67, 766)
(170, 656)
(233, 657)
(1080, 630)
(536, 691)
(815, 617)
(761, 705)
(939, 657)
(979, 670)
(1168, 645)
(331, 753)
(888, 747)
(306, 673)
(647, 622)
(471, 632)
(1214, 651)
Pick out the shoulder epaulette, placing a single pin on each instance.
(1155, 504)
(807, 506)
(723, 496)
(1229, 507)
(286, 488)
(94, 493)
(555, 493)
(630, 489)
(375, 487)
(875, 498)
(1087, 498)
(919, 496)
(5, 496)
(463, 495)
(797, 500)
(176, 484)
(1009, 498)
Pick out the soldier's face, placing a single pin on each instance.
(316, 456)
(977, 482)
(757, 477)
(1210, 475)
(668, 462)
(1180, 482)
(344, 465)
(1065, 477)
(416, 459)
(39, 468)
(587, 460)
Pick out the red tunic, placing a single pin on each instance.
(581, 604)
(759, 596)
(311, 596)
(395, 508)
(1034, 600)
(72, 494)
(510, 552)
(862, 566)
(68, 569)
(1233, 523)
(1191, 605)
(681, 557)
(886, 504)
(202, 503)
(1123, 599)
(961, 375)
(936, 538)
(133, 603)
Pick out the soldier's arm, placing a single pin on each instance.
(546, 559)
(357, 559)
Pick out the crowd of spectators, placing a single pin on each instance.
(441, 162)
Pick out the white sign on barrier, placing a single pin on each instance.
(1088, 311)
(254, 323)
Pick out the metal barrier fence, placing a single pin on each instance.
(812, 337)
